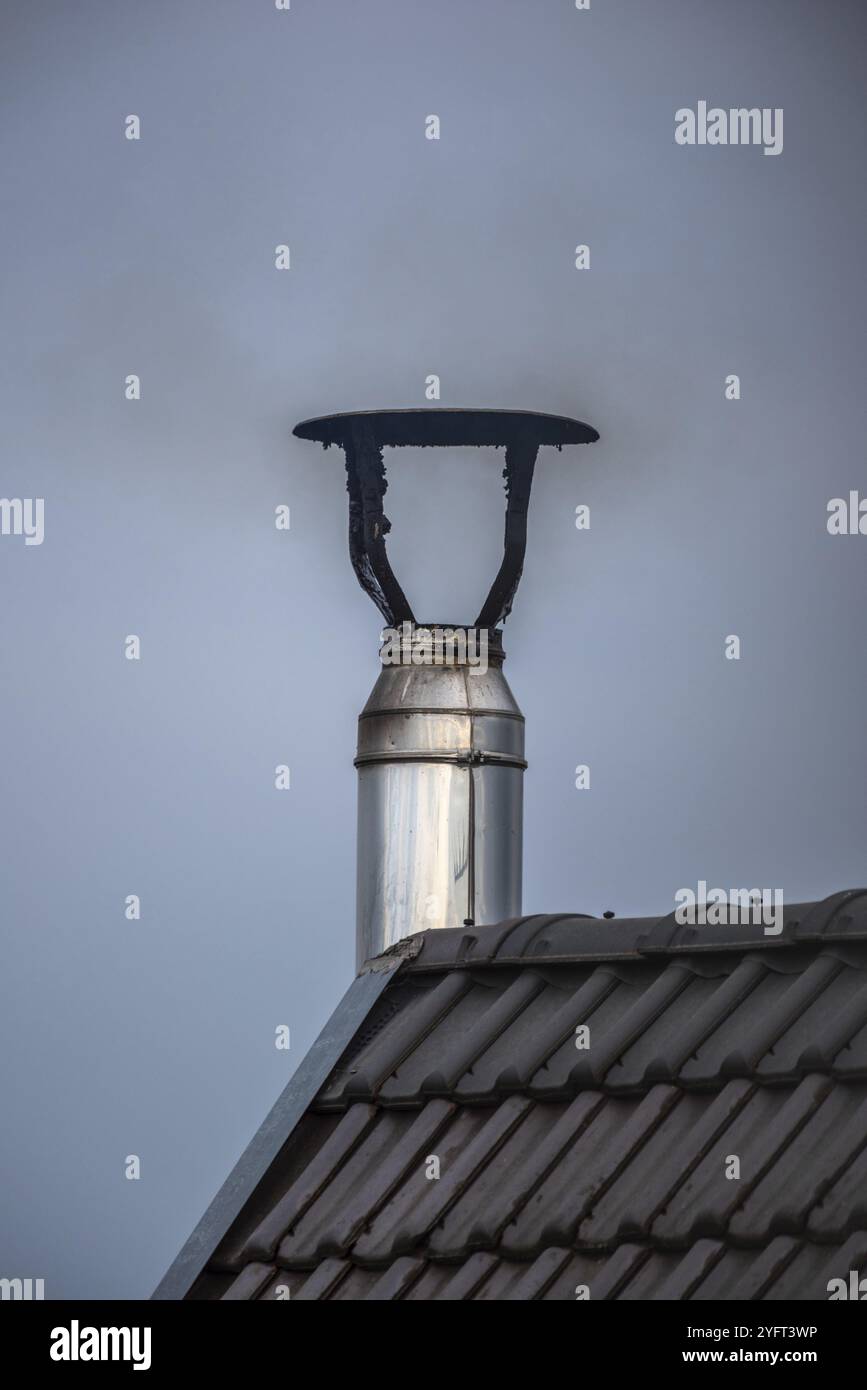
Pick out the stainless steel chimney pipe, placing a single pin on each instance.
(440, 754)
(440, 797)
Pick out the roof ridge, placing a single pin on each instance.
(578, 938)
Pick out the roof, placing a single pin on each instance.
(603, 1169)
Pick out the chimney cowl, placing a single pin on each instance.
(440, 753)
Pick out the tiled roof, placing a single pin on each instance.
(602, 1166)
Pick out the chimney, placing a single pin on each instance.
(440, 753)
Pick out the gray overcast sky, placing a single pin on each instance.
(409, 257)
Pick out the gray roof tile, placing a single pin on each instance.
(564, 1166)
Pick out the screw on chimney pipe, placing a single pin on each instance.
(440, 754)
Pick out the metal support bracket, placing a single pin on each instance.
(518, 473)
(366, 484)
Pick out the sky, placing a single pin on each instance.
(154, 1037)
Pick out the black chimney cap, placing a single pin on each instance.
(435, 426)
(364, 434)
